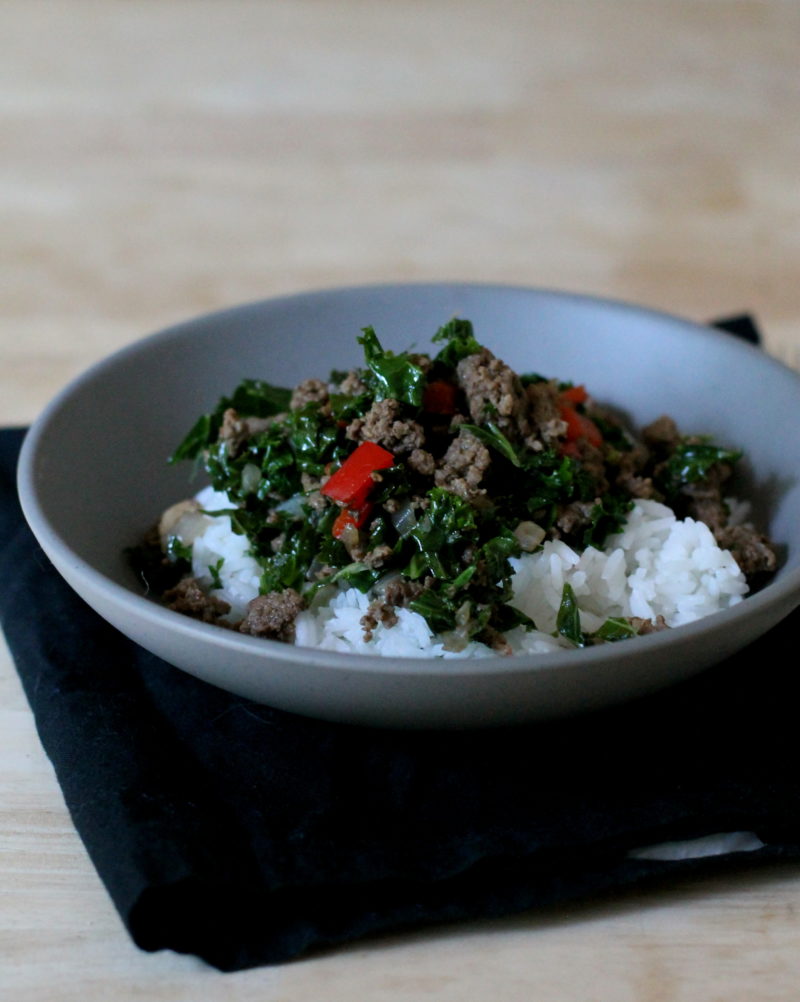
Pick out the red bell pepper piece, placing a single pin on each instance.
(352, 482)
(575, 394)
(580, 426)
(346, 518)
(439, 397)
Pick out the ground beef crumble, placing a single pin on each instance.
(395, 595)
(273, 615)
(704, 500)
(236, 431)
(383, 423)
(310, 390)
(645, 626)
(188, 597)
(494, 391)
(751, 550)
(544, 413)
(464, 466)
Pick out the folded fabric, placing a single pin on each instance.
(247, 836)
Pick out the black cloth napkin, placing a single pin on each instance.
(248, 836)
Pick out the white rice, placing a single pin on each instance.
(657, 566)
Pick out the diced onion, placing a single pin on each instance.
(292, 506)
(404, 519)
(251, 478)
(184, 520)
(529, 535)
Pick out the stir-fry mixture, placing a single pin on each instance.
(417, 479)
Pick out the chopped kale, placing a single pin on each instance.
(614, 629)
(391, 376)
(530, 378)
(691, 462)
(253, 397)
(289, 566)
(177, 550)
(568, 620)
(491, 435)
(440, 535)
(614, 435)
(213, 570)
(607, 517)
(459, 341)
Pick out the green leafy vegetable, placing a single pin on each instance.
(568, 620)
(392, 376)
(692, 461)
(213, 570)
(288, 567)
(491, 435)
(615, 629)
(607, 517)
(252, 398)
(459, 342)
(440, 535)
(178, 550)
(438, 608)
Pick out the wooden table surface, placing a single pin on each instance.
(159, 160)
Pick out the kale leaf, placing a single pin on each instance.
(607, 517)
(568, 620)
(691, 461)
(391, 376)
(491, 435)
(251, 398)
(460, 342)
(440, 535)
(615, 628)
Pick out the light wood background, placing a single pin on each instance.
(160, 159)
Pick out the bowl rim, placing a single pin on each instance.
(783, 592)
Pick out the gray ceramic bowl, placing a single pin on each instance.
(93, 477)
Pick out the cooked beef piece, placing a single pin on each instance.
(703, 500)
(645, 626)
(637, 486)
(273, 615)
(463, 467)
(384, 424)
(397, 593)
(189, 598)
(494, 392)
(495, 640)
(310, 390)
(378, 556)
(575, 516)
(422, 462)
(401, 591)
(352, 385)
(752, 551)
(709, 509)
(631, 476)
(376, 613)
(236, 430)
(661, 434)
(592, 462)
(424, 362)
(544, 410)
